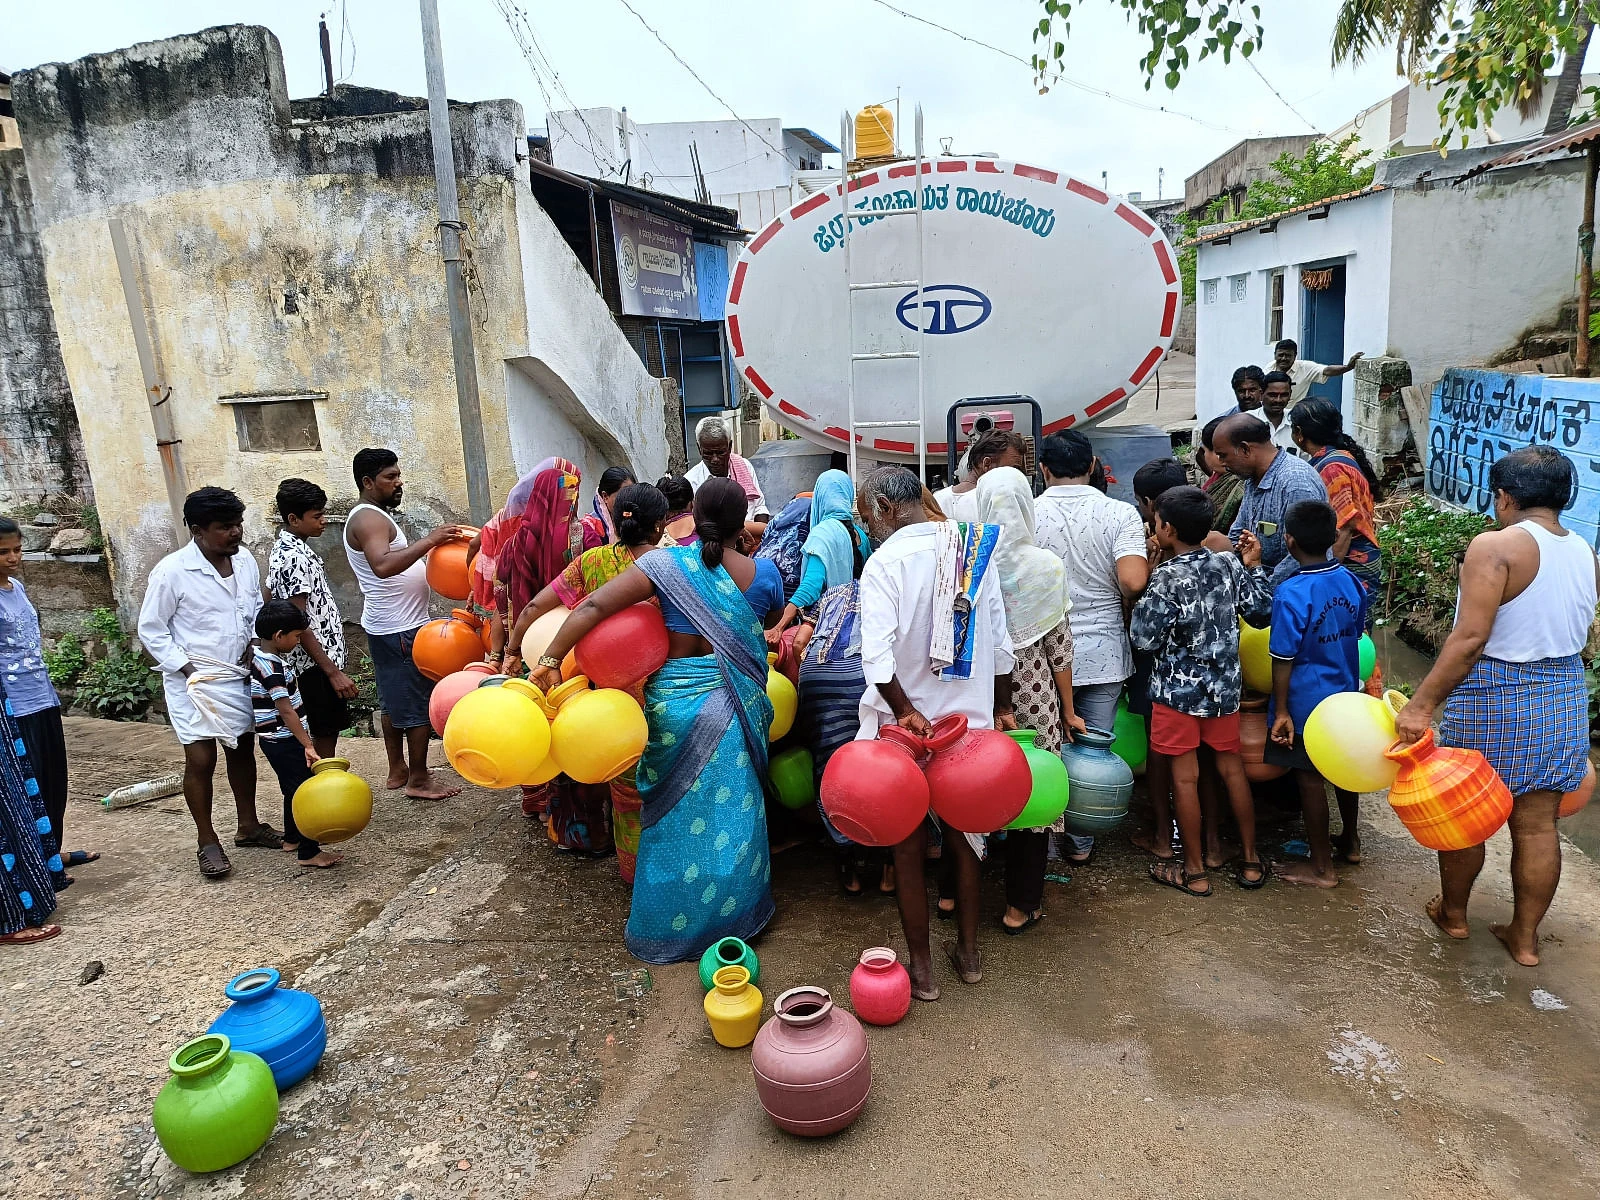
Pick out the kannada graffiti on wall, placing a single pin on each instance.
(1477, 417)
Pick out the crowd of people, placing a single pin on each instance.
(886, 604)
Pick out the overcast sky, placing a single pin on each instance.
(803, 63)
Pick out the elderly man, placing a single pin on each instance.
(718, 459)
(1274, 479)
(196, 622)
(1512, 685)
(1303, 372)
(924, 659)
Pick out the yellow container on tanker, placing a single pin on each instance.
(874, 132)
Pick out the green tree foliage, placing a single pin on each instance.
(1484, 55)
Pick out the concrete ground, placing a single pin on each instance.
(1167, 398)
(489, 1036)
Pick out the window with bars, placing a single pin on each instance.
(1238, 288)
(1208, 291)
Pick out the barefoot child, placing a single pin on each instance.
(1188, 620)
(1318, 614)
(280, 717)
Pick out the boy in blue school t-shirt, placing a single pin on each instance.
(1318, 615)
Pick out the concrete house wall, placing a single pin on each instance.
(1478, 262)
(1230, 334)
(289, 256)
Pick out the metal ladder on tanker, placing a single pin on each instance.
(852, 286)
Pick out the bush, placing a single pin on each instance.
(119, 684)
(359, 668)
(1422, 550)
(65, 660)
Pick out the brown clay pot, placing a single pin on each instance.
(811, 1065)
(1253, 743)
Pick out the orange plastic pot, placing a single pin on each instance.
(1578, 798)
(447, 567)
(1253, 743)
(448, 644)
(1447, 797)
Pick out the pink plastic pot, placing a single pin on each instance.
(880, 988)
(811, 1064)
(451, 688)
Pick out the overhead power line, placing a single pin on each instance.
(1252, 62)
(539, 63)
(709, 91)
(1058, 77)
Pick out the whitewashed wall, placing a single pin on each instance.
(1477, 263)
(1232, 334)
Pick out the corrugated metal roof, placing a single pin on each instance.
(1578, 138)
(815, 140)
(1213, 233)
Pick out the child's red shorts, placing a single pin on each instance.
(1173, 733)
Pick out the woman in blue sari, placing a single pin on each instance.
(30, 859)
(704, 869)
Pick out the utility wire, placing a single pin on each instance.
(533, 53)
(1057, 77)
(656, 34)
(1309, 124)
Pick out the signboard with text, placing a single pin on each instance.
(1479, 416)
(655, 265)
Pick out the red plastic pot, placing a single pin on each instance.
(811, 1065)
(624, 649)
(979, 780)
(874, 792)
(880, 988)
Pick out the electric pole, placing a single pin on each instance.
(450, 226)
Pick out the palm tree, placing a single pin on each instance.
(1416, 27)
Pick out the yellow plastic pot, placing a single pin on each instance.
(594, 735)
(1254, 659)
(785, 700)
(497, 736)
(1346, 736)
(333, 804)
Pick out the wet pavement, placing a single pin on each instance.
(489, 1036)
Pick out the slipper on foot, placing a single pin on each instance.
(1175, 877)
(76, 858)
(263, 836)
(214, 863)
(1251, 885)
(1016, 930)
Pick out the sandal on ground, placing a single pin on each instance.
(847, 875)
(263, 836)
(33, 933)
(953, 953)
(1072, 860)
(944, 914)
(1251, 885)
(1172, 875)
(76, 858)
(1016, 930)
(214, 863)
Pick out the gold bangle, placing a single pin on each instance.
(546, 660)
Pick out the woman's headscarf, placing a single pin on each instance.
(832, 503)
(1033, 581)
(498, 531)
(542, 545)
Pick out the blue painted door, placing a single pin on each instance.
(1322, 330)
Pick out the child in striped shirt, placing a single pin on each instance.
(280, 718)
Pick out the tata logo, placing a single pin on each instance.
(947, 308)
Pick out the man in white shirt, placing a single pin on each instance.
(898, 587)
(1304, 373)
(717, 458)
(1275, 410)
(1102, 542)
(196, 622)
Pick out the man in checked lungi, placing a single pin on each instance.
(1512, 684)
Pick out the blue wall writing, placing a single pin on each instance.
(1479, 416)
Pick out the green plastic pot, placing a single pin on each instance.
(727, 952)
(1129, 742)
(1048, 799)
(219, 1107)
(793, 777)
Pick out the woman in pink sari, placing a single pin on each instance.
(484, 552)
(548, 537)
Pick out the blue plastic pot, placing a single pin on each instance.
(284, 1026)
